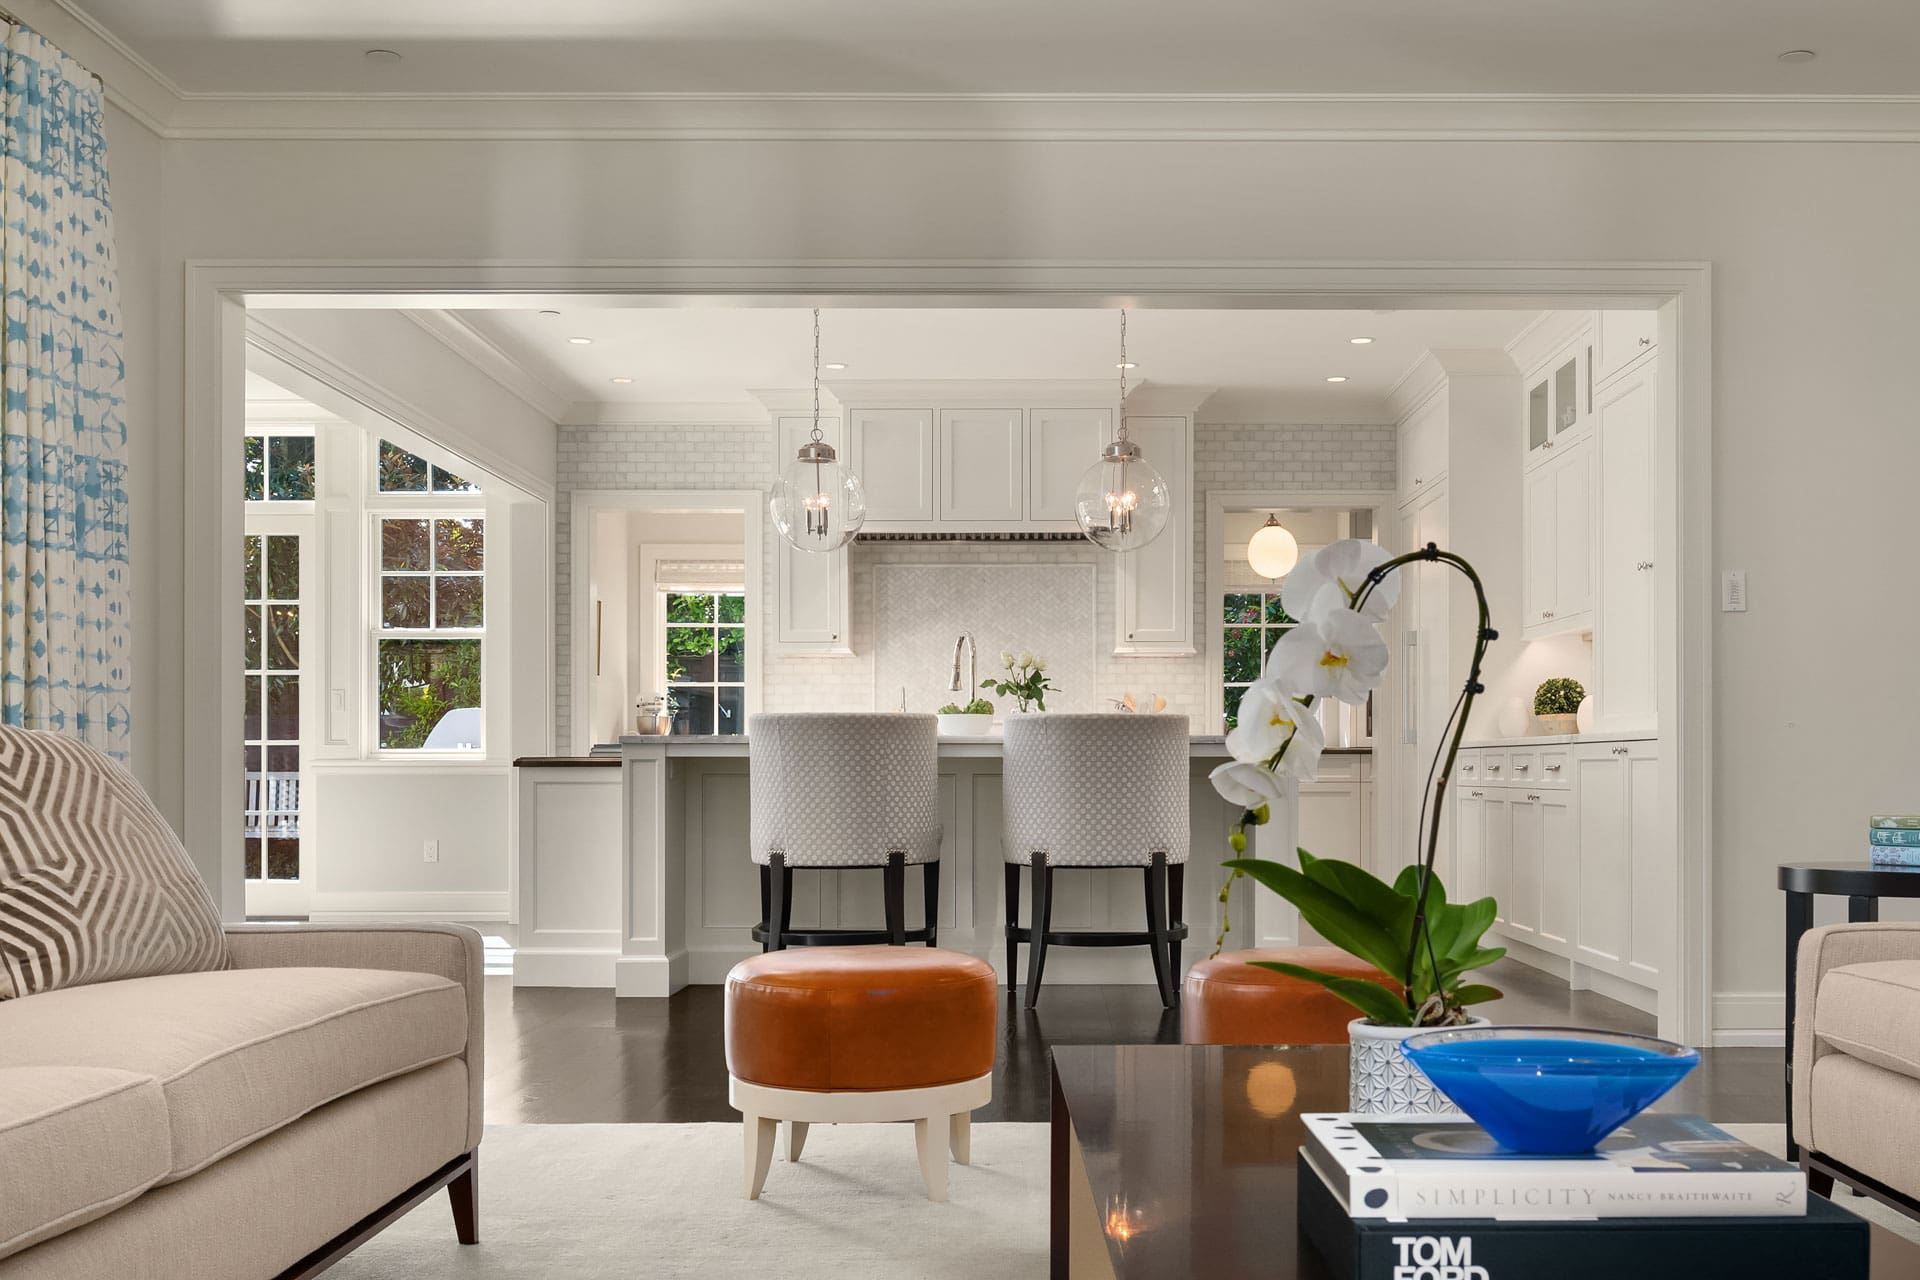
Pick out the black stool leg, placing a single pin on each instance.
(930, 872)
(766, 903)
(778, 882)
(1176, 916)
(1159, 943)
(1013, 922)
(896, 891)
(1042, 921)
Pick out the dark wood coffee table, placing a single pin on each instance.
(1178, 1160)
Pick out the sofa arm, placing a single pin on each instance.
(1822, 950)
(450, 951)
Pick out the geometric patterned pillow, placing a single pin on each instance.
(94, 886)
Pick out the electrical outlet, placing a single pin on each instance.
(430, 851)
(1733, 591)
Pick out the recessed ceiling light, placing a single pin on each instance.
(836, 367)
(383, 57)
(1798, 55)
(1337, 377)
(622, 381)
(1359, 342)
(1126, 364)
(581, 342)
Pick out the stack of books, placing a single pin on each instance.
(1396, 1197)
(1893, 839)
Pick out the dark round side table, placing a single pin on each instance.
(1862, 884)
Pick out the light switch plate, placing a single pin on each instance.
(1733, 591)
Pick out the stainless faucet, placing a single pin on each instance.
(964, 642)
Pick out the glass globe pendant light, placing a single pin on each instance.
(1272, 551)
(1122, 503)
(817, 504)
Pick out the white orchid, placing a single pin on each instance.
(1026, 659)
(1006, 659)
(1344, 564)
(1334, 653)
(1270, 718)
(1248, 785)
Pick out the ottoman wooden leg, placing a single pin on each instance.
(933, 1156)
(960, 1136)
(759, 1133)
(796, 1139)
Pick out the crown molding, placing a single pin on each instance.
(480, 351)
(614, 413)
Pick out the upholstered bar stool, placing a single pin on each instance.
(842, 1035)
(1229, 1001)
(1096, 791)
(832, 791)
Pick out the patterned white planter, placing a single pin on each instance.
(1383, 1082)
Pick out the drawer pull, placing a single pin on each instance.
(1520, 768)
(1533, 797)
(1553, 768)
(1493, 768)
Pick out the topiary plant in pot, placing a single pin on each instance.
(1557, 703)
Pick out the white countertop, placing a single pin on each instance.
(952, 747)
(1559, 739)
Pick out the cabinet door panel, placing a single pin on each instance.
(1573, 537)
(1559, 868)
(1469, 847)
(1497, 831)
(981, 465)
(1542, 545)
(1626, 688)
(1061, 445)
(1624, 337)
(1523, 915)
(810, 587)
(891, 450)
(1155, 594)
(1656, 882)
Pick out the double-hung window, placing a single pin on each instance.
(430, 614)
(1251, 623)
(704, 640)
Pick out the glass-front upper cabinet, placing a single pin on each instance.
(1559, 398)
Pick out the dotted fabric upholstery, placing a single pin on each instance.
(843, 790)
(1096, 790)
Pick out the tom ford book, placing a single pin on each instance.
(1827, 1244)
(1654, 1166)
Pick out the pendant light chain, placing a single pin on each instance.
(816, 375)
(1122, 435)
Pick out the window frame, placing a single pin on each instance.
(1263, 626)
(265, 432)
(430, 507)
(670, 586)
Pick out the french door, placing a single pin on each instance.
(278, 709)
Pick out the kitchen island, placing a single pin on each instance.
(632, 871)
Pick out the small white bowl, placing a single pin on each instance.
(965, 726)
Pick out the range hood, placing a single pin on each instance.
(971, 535)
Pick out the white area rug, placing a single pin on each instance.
(1773, 1137)
(585, 1201)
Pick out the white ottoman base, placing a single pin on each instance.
(947, 1107)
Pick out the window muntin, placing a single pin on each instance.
(271, 705)
(431, 617)
(704, 638)
(401, 471)
(1251, 623)
(279, 468)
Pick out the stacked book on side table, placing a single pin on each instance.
(1893, 840)
(1664, 1197)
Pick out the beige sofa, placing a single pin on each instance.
(1856, 1060)
(255, 1121)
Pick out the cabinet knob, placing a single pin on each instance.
(1418, 480)
(1547, 445)
(1546, 613)
(1479, 795)
(1646, 342)
(1533, 797)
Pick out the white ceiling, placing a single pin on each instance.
(1020, 46)
(716, 355)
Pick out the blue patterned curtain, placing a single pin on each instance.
(63, 431)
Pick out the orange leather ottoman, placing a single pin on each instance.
(834, 1035)
(1229, 1001)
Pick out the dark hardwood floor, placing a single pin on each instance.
(559, 1056)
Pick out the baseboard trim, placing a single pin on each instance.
(407, 908)
(1581, 977)
(1750, 1019)
(540, 967)
(1066, 966)
(1749, 1039)
(650, 977)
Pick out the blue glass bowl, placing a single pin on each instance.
(1549, 1090)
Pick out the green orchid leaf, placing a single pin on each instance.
(1477, 994)
(1377, 1002)
(1335, 918)
(1479, 959)
(1466, 930)
(1369, 894)
(1408, 886)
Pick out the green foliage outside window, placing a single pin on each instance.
(422, 680)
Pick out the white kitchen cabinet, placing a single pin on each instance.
(1423, 449)
(1469, 801)
(1558, 403)
(892, 452)
(1628, 876)
(980, 466)
(1496, 856)
(1558, 543)
(809, 587)
(1623, 337)
(1154, 613)
(1061, 445)
(1559, 865)
(1426, 676)
(1527, 841)
(1625, 651)
(1655, 869)
(1330, 824)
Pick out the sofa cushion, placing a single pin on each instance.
(76, 1143)
(241, 1052)
(94, 886)
(1871, 1011)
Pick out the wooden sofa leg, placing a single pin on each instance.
(464, 1194)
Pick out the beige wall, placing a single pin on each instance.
(1815, 273)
